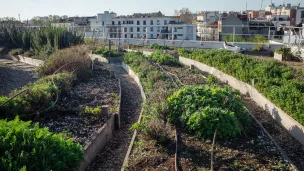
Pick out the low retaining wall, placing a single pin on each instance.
(102, 137)
(143, 96)
(291, 125)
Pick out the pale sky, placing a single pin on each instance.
(30, 8)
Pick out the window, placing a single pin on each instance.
(125, 29)
(179, 28)
(144, 29)
(138, 35)
(138, 29)
(213, 31)
(158, 23)
(113, 22)
(302, 14)
(126, 36)
(179, 35)
(175, 29)
(119, 23)
(151, 36)
(151, 29)
(144, 23)
(165, 22)
(151, 22)
(131, 29)
(131, 35)
(103, 23)
(138, 22)
(124, 22)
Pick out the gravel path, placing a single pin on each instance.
(112, 156)
(290, 145)
(14, 75)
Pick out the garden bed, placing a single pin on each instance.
(67, 116)
(253, 151)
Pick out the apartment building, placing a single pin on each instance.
(138, 25)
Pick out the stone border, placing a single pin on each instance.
(137, 80)
(102, 137)
(292, 126)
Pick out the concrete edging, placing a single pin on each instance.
(137, 80)
(292, 126)
(102, 137)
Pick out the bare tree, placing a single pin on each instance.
(184, 15)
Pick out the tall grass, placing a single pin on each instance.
(40, 41)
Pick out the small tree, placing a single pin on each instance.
(184, 15)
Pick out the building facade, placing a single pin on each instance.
(140, 26)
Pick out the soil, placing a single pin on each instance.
(291, 146)
(112, 156)
(14, 75)
(250, 151)
(66, 117)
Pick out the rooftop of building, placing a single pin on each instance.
(143, 15)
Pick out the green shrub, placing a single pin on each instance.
(40, 95)
(16, 52)
(284, 51)
(25, 146)
(163, 58)
(275, 80)
(204, 108)
(75, 59)
(211, 79)
(158, 47)
(106, 52)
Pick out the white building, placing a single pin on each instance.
(150, 26)
(204, 21)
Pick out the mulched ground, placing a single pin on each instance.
(112, 156)
(100, 90)
(251, 151)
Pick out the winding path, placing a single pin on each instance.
(14, 75)
(112, 156)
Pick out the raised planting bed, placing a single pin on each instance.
(88, 112)
(155, 146)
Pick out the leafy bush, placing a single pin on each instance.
(40, 95)
(158, 47)
(106, 52)
(25, 146)
(211, 79)
(283, 51)
(16, 52)
(255, 39)
(163, 58)
(204, 108)
(75, 59)
(92, 111)
(275, 80)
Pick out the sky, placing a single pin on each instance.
(30, 8)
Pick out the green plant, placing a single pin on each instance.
(204, 108)
(163, 58)
(92, 111)
(106, 52)
(277, 81)
(158, 47)
(16, 52)
(211, 79)
(25, 146)
(284, 51)
(258, 47)
(39, 95)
